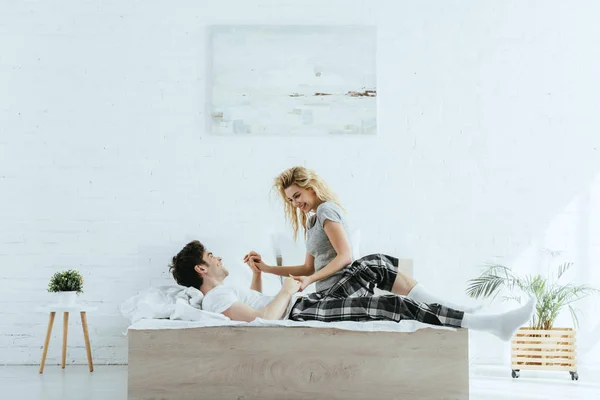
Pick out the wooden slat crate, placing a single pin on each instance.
(551, 350)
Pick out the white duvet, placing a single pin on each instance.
(176, 307)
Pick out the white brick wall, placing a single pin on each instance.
(488, 120)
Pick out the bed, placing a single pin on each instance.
(173, 359)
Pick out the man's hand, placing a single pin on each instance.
(256, 259)
(304, 281)
(253, 255)
(290, 286)
(253, 267)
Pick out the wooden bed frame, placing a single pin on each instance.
(297, 363)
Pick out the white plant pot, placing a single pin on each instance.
(66, 298)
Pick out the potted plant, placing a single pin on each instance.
(67, 285)
(541, 345)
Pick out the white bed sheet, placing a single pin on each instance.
(374, 326)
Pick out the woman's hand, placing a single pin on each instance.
(253, 267)
(256, 259)
(304, 281)
(290, 286)
(254, 255)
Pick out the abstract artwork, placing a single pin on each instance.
(293, 80)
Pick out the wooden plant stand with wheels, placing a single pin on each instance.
(549, 350)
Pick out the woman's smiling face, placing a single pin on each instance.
(303, 199)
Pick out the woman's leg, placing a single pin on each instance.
(373, 308)
(382, 271)
(502, 325)
(398, 308)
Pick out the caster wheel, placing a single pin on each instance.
(574, 376)
(515, 373)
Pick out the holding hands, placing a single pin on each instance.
(255, 262)
(291, 286)
(304, 281)
(253, 267)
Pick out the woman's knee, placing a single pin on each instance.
(403, 284)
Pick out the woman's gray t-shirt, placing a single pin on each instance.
(318, 244)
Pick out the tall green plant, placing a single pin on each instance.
(551, 294)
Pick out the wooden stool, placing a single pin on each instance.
(53, 309)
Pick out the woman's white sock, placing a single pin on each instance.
(420, 294)
(503, 325)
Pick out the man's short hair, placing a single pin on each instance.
(182, 265)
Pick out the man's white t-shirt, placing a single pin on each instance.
(222, 297)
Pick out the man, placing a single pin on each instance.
(197, 267)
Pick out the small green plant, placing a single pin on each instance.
(552, 296)
(66, 281)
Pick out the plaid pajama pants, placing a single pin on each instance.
(352, 298)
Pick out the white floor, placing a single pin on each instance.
(110, 382)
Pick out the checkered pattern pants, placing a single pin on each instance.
(352, 298)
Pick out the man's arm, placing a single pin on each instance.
(256, 277)
(273, 311)
(256, 281)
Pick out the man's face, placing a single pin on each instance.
(214, 266)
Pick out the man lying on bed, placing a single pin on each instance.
(350, 299)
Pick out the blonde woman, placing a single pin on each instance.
(344, 287)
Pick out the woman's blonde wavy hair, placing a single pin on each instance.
(306, 179)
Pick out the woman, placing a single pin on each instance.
(344, 288)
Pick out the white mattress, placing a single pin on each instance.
(374, 326)
(174, 307)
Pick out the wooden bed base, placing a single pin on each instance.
(297, 363)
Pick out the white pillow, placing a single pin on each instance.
(159, 302)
